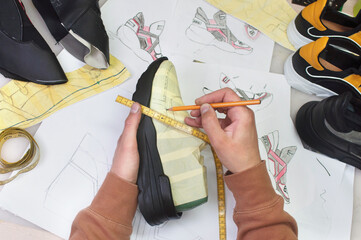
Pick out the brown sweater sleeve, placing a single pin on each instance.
(111, 213)
(259, 212)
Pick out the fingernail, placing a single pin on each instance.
(135, 108)
(205, 107)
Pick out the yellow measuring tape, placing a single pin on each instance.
(199, 134)
(27, 162)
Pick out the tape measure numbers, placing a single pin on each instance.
(199, 134)
(27, 162)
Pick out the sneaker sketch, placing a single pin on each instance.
(225, 81)
(215, 32)
(252, 32)
(278, 161)
(141, 39)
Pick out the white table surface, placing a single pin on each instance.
(16, 228)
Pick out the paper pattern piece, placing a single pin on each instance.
(24, 104)
(269, 16)
(207, 34)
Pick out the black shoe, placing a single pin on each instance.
(321, 19)
(326, 67)
(333, 127)
(24, 54)
(155, 196)
(78, 26)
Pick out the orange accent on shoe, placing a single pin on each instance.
(356, 37)
(312, 13)
(311, 51)
(354, 80)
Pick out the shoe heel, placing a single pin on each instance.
(295, 38)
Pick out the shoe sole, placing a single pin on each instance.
(298, 82)
(202, 36)
(295, 38)
(310, 135)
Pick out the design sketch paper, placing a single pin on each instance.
(24, 104)
(77, 146)
(269, 16)
(311, 187)
(272, 89)
(207, 34)
(138, 32)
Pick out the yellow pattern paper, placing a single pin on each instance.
(23, 104)
(271, 17)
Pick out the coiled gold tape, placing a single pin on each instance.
(26, 163)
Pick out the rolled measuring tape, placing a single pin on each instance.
(29, 160)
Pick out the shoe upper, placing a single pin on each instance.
(318, 20)
(343, 113)
(333, 127)
(333, 63)
(171, 175)
(25, 54)
(78, 26)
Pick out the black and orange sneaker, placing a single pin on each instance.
(326, 67)
(333, 127)
(320, 20)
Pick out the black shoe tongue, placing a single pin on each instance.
(343, 113)
(220, 17)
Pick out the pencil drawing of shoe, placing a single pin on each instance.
(78, 27)
(171, 176)
(24, 54)
(252, 32)
(141, 39)
(215, 32)
(278, 161)
(225, 81)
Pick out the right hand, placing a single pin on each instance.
(234, 138)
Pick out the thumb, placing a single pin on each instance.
(132, 122)
(210, 123)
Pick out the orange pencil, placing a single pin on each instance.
(217, 105)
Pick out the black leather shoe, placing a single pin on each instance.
(78, 26)
(333, 127)
(24, 54)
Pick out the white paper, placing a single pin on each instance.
(197, 79)
(164, 29)
(77, 146)
(312, 181)
(195, 40)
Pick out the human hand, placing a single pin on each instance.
(126, 157)
(234, 138)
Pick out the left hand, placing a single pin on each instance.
(126, 157)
